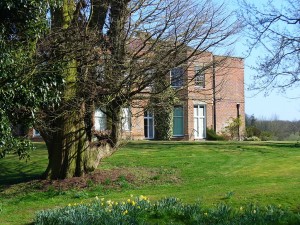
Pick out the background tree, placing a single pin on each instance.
(103, 54)
(274, 29)
(272, 129)
(21, 25)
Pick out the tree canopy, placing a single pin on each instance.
(22, 24)
(274, 30)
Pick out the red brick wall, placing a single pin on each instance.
(229, 75)
(230, 92)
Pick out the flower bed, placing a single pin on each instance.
(165, 211)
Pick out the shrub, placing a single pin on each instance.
(233, 128)
(164, 211)
(213, 136)
(253, 138)
(266, 136)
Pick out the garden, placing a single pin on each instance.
(152, 182)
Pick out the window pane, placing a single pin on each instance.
(126, 119)
(148, 125)
(151, 132)
(177, 77)
(178, 121)
(100, 122)
(199, 77)
(178, 126)
(178, 111)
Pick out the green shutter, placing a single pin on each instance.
(178, 121)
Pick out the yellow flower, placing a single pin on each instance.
(108, 202)
(133, 203)
(97, 198)
(69, 204)
(205, 213)
(241, 208)
(123, 203)
(254, 211)
(143, 198)
(128, 200)
(131, 196)
(125, 212)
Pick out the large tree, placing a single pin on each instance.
(274, 30)
(105, 53)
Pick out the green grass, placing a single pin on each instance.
(211, 172)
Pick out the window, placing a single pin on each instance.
(178, 121)
(177, 77)
(199, 77)
(99, 73)
(36, 133)
(150, 74)
(100, 120)
(126, 119)
(148, 125)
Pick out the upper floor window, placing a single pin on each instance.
(177, 77)
(150, 78)
(199, 77)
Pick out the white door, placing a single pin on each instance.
(148, 125)
(199, 122)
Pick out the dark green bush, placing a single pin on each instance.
(212, 136)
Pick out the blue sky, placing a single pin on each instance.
(275, 105)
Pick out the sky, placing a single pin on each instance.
(275, 105)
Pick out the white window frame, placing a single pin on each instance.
(101, 116)
(126, 119)
(199, 77)
(148, 118)
(198, 118)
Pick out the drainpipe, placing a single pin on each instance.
(238, 116)
(214, 96)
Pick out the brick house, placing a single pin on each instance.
(211, 99)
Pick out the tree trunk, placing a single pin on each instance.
(70, 152)
(71, 149)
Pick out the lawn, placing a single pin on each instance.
(210, 172)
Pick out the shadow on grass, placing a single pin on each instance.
(14, 174)
(15, 171)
